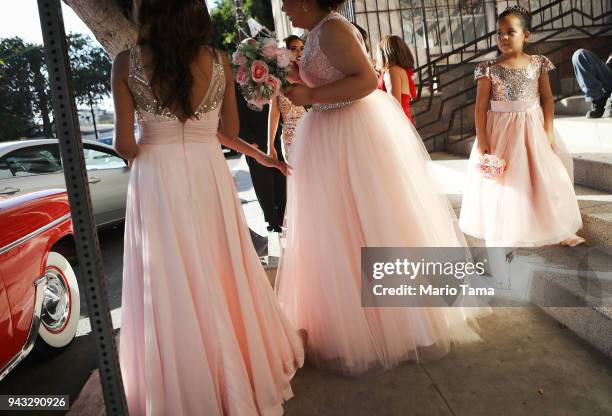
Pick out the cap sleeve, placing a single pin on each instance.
(546, 65)
(482, 70)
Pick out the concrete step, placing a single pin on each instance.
(572, 106)
(594, 170)
(593, 324)
(575, 288)
(582, 135)
(581, 300)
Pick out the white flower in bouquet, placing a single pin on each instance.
(284, 57)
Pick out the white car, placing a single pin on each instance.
(33, 165)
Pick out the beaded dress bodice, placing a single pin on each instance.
(147, 105)
(315, 68)
(514, 84)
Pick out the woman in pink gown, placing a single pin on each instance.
(202, 332)
(359, 179)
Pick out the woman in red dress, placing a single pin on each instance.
(394, 61)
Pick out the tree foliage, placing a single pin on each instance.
(20, 72)
(91, 70)
(26, 109)
(223, 15)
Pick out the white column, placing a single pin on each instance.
(282, 24)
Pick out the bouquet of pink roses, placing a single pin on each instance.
(261, 70)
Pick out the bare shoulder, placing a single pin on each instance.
(121, 64)
(222, 57)
(337, 31)
(396, 70)
(122, 60)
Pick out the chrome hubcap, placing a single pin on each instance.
(56, 302)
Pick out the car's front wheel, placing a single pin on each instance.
(60, 312)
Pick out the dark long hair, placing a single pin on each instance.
(174, 31)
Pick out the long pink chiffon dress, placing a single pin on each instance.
(533, 203)
(359, 179)
(202, 332)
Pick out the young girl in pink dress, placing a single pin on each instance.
(533, 202)
(395, 63)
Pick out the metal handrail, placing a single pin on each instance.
(558, 97)
(452, 117)
(467, 133)
(425, 81)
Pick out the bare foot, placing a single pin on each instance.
(573, 241)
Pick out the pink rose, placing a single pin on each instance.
(259, 71)
(284, 57)
(242, 76)
(274, 84)
(238, 58)
(269, 48)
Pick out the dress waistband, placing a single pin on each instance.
(175, 132)
(332, 106)
(513, 106)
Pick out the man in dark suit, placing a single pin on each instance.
(269, 184)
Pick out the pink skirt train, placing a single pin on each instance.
(360, 179)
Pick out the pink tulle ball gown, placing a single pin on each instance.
(202, 332)
(533, 203)
(360, 179)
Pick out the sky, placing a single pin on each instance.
(20, 18)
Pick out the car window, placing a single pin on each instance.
(33, 160)
(5, 172)
(99, 159)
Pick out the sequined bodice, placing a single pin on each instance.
(520, 84)
(148, 107)
(315, 68)
(291, 114)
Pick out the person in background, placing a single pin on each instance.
(595, 80)
(281, 106)
(395, 64)
(269, 184)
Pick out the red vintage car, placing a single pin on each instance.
(39, 292)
